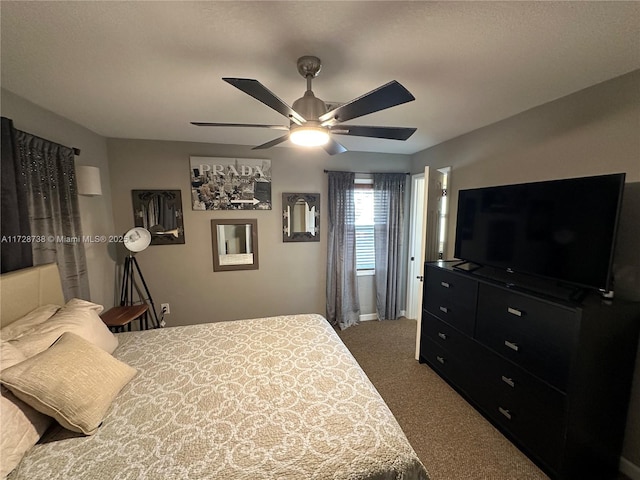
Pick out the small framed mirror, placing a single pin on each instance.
(235, 244)
(160, 212)
(300, 217)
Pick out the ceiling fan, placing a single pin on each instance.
(311, 123)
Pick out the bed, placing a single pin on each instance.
(266, 398)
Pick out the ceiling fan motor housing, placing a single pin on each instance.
(310, 107)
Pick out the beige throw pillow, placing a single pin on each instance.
(73, 381)
(77, 316)
(21, 426)
(27, 323)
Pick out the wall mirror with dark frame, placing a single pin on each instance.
(235, 244)
(160, 212)
(300, 217)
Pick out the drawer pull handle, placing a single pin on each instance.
(444, 309)
(511, 345)
(440, 359)
(514, 311)
(445, 284)
(442, 335)
(508, 381)
(505, 412)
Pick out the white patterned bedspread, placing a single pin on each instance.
(270, 398)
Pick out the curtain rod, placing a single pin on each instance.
(76, 151)
(362, 173)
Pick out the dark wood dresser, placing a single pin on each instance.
(554, 376)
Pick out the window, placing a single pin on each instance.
(365, 254)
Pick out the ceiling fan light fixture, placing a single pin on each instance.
(309, 136)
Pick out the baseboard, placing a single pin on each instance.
(374, 316)
(631, 470)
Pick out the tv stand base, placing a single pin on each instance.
(466, 266)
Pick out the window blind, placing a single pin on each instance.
(365, 254)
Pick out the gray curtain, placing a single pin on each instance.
(388, 211)
(343, 304)
(54, 215)
(15, 254)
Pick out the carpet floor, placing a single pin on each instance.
(451, 438)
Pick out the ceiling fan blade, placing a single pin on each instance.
(391, 133)
(333, 148)
(263, 94)
(255, 125)
(386, 96)
(272, 143)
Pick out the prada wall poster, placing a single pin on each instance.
(230, 183)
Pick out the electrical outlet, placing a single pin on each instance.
(165, 308)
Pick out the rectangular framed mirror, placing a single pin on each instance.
(235, 244)
(300, 217)
(160, 212)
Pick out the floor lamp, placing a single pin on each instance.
(136, 240)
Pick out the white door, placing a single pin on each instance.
(415, 245)
(430, 235)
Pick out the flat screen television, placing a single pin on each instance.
(563, 230)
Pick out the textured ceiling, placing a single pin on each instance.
(146, 69)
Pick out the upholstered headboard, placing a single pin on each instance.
(23, 290)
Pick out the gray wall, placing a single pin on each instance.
(291, 277)
(592, 132)
(95, 212)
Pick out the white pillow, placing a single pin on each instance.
(77, 316)
(22, 426)
(28, 322)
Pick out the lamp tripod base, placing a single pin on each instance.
(129, 283)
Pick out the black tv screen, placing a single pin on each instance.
(561, 229)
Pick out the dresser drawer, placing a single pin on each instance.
(448, 365)
(443, 334)
(532, 411)
(538, 336)
(451, 298)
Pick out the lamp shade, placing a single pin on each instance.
(88, 180)
(137, 239)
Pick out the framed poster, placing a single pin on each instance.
(230, 183)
